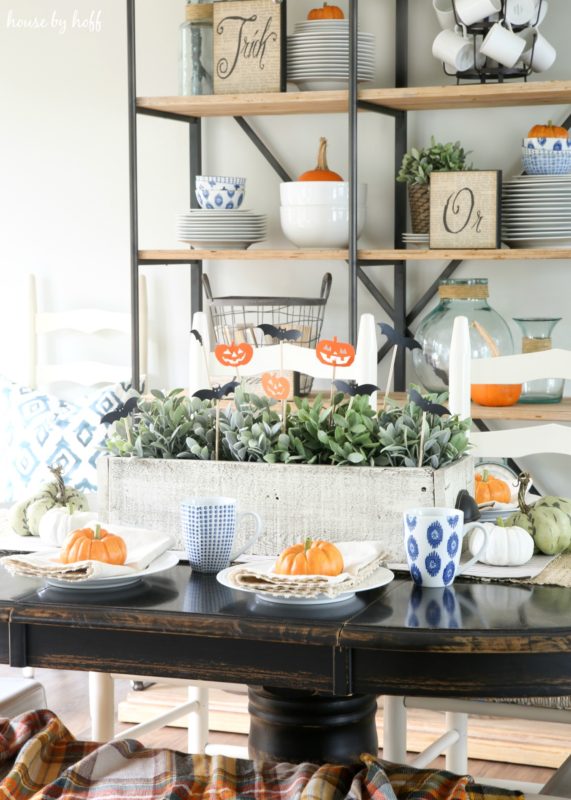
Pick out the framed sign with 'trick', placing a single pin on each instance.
(465, 210)
(248, 52)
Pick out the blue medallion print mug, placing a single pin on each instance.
(433, 543)
(209, 528)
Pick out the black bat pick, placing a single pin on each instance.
(426, 405)
(397, 338)
(351, 390)
(197, 336)
(280, 333)
(217, 392)
(121, 411)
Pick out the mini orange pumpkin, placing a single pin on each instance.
(276, 387)
(549, 131)
(86, 544)
(312, 557)
(489, 488)
(326, 12)
(234, 355)
(334, 353)
(321, 171)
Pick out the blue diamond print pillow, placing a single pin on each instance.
(38, 429)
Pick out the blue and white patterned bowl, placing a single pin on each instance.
(220, 193)
(555, 144)
(546, 162)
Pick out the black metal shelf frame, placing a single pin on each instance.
(397, 310)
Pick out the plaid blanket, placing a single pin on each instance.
(40, 759)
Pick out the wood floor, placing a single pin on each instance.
(68, 697)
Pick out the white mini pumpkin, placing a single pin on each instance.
(58, 522)
(506, 546)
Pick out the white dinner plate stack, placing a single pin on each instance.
(536, 211)
(221, 230)
(416, 239)
(318, 55)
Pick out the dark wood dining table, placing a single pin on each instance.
(313, 672)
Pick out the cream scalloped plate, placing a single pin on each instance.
(381, 577)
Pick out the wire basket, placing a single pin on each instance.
(236, 319)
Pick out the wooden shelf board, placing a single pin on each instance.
(529, 412)
(184, 256)
(420, 98)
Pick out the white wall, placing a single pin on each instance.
(64, 190)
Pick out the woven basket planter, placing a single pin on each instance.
(419, 200)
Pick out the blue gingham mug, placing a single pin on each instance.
(433, 543)
(209, 527)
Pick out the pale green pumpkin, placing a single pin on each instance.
(548, 520)
(25, 516)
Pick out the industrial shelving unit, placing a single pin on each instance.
(395, 102)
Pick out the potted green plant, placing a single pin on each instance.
(342, 470)
(416, 167)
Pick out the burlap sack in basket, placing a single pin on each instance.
(419, 200)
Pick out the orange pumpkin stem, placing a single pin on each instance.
(97, 534)
(321, 171)
(307, 544)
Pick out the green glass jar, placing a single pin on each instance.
(196, 55)
(489, 333)
(536, 337)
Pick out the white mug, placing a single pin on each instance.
(503, 45)
(540, 57)
(520, 12)
(471, 11)
(433, 544)
(454, 49)
(209, 528)
(445, 14)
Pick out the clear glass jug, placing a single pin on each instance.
(196, 61)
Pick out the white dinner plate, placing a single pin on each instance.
(208, 244)
(381, 577)
(163, 562)
(546, 242)
(322, 84)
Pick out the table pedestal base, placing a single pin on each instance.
(301, 726)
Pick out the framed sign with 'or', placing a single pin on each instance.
(248, 46)
(465, 210)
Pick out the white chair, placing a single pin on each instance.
(18, 695)
(514, 443)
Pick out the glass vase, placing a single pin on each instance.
(537, 337)
(490, 336)
(196, 54)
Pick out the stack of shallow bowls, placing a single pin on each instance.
(318, 55)
(550, 156)
(316, 213)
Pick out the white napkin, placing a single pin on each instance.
(360, 560)
(143, 547)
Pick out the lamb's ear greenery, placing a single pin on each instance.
(347, 432)
(417, 164)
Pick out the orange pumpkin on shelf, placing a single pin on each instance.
(489, 488)
(334, 353)
(321, 171)
(234, 355)
(276, 387)
(549, 131)
(326, 12)
(495, 394)
(312, 557)
(86, 544)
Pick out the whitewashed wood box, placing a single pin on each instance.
(294, 500)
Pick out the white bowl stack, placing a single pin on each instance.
(316, 213)
(318, 55)
(221, 230)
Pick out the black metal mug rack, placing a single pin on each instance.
(492, 72)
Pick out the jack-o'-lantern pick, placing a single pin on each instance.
(275, 386)
(335, 354)
(234, 355)
(279, 388)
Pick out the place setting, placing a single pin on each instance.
(312, 572)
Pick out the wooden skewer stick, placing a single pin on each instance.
(217, 446)
(284, 412)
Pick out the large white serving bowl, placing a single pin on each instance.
(319, 226)
(320, 193)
